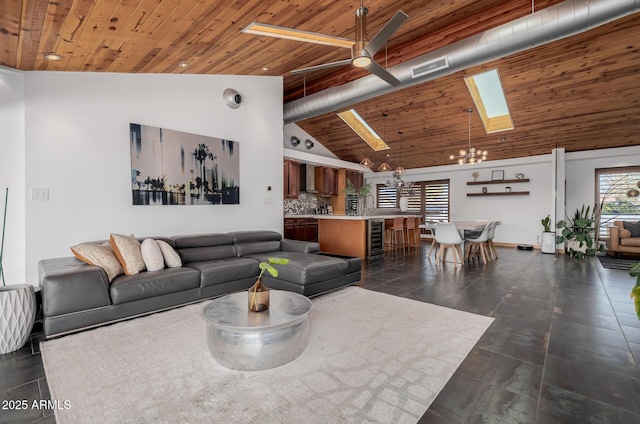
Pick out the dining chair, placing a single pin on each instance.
(434, 242)
(492, 233)
(480, 244)
(448, 237)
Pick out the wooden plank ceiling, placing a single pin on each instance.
(580, 93)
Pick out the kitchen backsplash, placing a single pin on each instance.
(306, 203)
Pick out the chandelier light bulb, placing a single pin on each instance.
(452, 157)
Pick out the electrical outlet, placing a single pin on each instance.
(268, 200)
(39, 194)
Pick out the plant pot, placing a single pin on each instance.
(574, 245)
(17, 315)
(548, 242)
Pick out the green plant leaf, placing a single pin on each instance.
(635, 295)
(278, 261)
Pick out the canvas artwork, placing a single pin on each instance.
(176, 168)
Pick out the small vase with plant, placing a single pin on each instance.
(259, 293)
(579, 232)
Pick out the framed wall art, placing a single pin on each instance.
(176, 168)
(497, 175)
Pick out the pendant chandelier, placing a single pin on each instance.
(399, 170)
(384, 166)
(472, 155)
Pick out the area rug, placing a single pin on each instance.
(371, 357)
(615, 263)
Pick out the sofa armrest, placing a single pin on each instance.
(68, 286)
(288, 245)
(614, 238)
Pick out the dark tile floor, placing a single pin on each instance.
(563, 347)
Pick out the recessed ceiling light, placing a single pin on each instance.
(265, 68)
(183, 64)
(52, 56)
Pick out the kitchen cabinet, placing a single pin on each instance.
(291, 179)
(305, 229)
(356, 178)
(326, 181)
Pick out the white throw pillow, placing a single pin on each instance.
(171, 257)
(152, 255)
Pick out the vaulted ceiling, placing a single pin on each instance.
(579, 93)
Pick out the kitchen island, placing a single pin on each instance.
(350, 234)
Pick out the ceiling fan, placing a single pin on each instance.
(362, 51)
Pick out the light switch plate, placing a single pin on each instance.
(39, 194)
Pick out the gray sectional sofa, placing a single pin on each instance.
(77, 296)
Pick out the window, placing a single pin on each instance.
(430, 199)
(618, 190)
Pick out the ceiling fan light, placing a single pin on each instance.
(361, 61)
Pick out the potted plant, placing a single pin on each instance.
(635, 292)
(548, 237)
(362, 194)
(17, 305)
(259, 293)
(578, 232)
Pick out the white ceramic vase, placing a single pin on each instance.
(17, 315)
(404, 203)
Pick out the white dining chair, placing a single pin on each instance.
(492, 233)
(479, 245)
(448, 237)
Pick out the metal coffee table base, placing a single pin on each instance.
(259, 349)
(252, 341)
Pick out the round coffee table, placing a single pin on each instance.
(251, 341)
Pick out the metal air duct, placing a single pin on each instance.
(553, 23)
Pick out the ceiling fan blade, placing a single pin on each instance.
(385, 33)
(323, 66)
(382, 73)
(296, 34)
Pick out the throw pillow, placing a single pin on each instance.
(127, 250)
(625, 233)
(634, 227)
(152, 255)
(99, 255)
(171, 257)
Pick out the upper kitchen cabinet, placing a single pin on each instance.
(291, 179)
(356, 178)
(326, 181)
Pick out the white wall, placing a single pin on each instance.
(77, 147)
(12, 173)
(520, 215)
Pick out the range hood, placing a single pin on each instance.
(308, 178)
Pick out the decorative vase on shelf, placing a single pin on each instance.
(17, 315)
(404, 203)
(258, 297)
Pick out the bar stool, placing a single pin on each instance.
(397, 229)
(410, 225)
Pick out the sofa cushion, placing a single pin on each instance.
(634, 227)
(128, 288)
(254, 242)
(225, 270)
(304, 268)
(625, 233)
(205, 247)
(631, 241)
(100, 255)
(127, 250)
(152, 255)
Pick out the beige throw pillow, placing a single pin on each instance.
(152, 255)
(127, 250)
(99, 255)
(171, 257)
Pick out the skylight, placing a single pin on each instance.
(357, 124)
(491, 103)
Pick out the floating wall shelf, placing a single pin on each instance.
(521, 180)
(500, 193)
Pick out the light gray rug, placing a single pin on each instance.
(371, 357)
